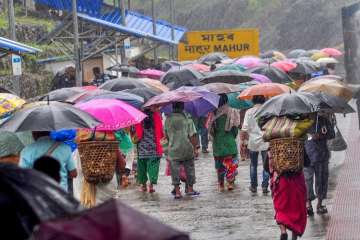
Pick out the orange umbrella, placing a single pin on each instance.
(265, 89)
(331, 85)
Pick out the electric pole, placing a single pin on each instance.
(11, 16)
(172, 21)
(123, 22)
(154, 29)
(78, 76)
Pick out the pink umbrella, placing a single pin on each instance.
(249, 62)
(114, 114)
(285, 65)
(151, 73)
(332, 52)
(260, 78)
(198, 67)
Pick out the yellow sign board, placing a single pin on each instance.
(233, 42)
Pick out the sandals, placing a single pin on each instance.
(178, 197)
(321, 210)
(310, 211)
(194, 193)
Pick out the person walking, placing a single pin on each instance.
(181, 135)
(256, 145)
(202, 132)
(149, 134)
(224, 129)
(318, 153)
(45, 146)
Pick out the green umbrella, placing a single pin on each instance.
(10, 144)
(234, 102)
(234, 67)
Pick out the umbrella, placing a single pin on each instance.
(226, 76)
(122, 83)
(167, 65)
(61, 95)
(4, 90)
(265, 89)
(145, 93)
(10, 144)
(296, 53)
(48, 116)
(220, 88)
(154, 84)
(274, 74)
(131, 99)
(285, 65)
(9, 103)
(289, 104)
(305, 67)
(123, 68)
(151, 73)
(318, 55)
(325, 61)
(198, 67)
(331, 85)
(122, 223)
(260, 78)
(249, 62)
(234, 102)
(274, 54)
(336, 104)
(332, 52)
(46, 199)
(213, 58)
(114, 114)
(183, 77)
(232, 67)
(198, 100)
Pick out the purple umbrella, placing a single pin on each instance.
(260, 78)
(249, 61)
(198, 101)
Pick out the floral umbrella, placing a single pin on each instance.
(9, 103)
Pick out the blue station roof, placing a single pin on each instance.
(136, 24)
(7, 45)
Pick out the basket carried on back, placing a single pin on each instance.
(287, 154)
(98, 160)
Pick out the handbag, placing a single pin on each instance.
(338, 143)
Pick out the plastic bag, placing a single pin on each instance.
(337, 144)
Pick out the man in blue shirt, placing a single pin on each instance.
(61, 152)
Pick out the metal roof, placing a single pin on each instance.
(136, 24)
(8, 45)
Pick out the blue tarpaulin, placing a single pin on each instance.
(136, 24)
(7, 45)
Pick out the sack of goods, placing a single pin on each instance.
(284, 127)
(287, 155)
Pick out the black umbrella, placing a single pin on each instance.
(61, 95)
(48, 116)
(110, 220)
(123, 68)
(305, 67)
(132, 99)
(226, 76)
(122, 83)
(212, 58)
(274, 74)
(145, 93)
(336, 104)
(290, 104)
(35, 197)
(4, 90)
(167, 65)
(175, 79)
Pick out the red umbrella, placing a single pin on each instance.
(285, 65)
(332, 52)
(111, 220)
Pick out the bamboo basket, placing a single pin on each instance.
(98, 160)
(287, 154)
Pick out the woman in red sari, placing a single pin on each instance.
(289, 198)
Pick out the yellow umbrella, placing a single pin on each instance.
(318, 55)
(9, 103)
(331, 85)
(279, 56)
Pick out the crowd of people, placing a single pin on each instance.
(178, 137)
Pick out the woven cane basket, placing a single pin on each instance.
(98, 160)
(287, 154)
